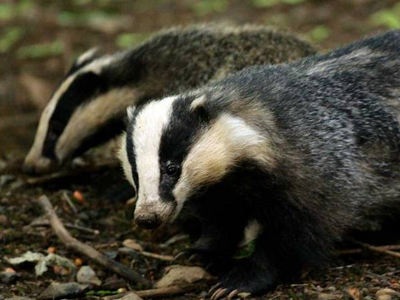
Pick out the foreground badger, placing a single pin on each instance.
(305, 151)
(88, 107)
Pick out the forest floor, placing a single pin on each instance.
(38, 41)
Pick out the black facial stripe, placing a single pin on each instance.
(130, 148)
(181, 130)
(84, 88)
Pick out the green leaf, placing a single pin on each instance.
(127, 40)
(319, 33)
(7, 11)
(389, 18)
(205, 7)
(40, 50)
(246, 251)
(9, 38)
(101, 293)
(270, 3)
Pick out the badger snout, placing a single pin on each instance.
(147, 220)
(39, 166)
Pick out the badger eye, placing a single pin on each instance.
(171, 170)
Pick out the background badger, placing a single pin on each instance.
(88, 107)
(304, 150)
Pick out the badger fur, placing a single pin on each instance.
(88, 107)
(306, 150)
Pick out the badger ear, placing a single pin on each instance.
(87, 56)
(198, 106)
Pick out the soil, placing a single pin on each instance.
(26, 84)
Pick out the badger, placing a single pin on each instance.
(304, 150)
(88, 107)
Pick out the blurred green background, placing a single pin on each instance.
(40, 38)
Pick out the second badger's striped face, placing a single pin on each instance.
(174, 147)
(86, 110)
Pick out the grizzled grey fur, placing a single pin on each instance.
(332, 123)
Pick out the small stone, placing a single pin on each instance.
(63, 290)
(386, 291)
(17, 298)
(6, 179)
(87, 275)
(131, 296)
(325, 296)
(183, 274)
(132, 244)
(9, 277)
(3, 220)
(384, 297)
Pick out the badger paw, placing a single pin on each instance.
(246, 276)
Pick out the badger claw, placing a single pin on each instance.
(233, 294)
(214, 287)
(218, 293)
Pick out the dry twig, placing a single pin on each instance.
(388, 250)
(160, 292)
(157, 256)
(73, 244)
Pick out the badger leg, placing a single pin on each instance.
(291, 239)
(216, 245)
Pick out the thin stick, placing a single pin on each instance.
(157, 256)
(73, 244)
(70, 203)
(69, 226)
(378, 249)
(160, 292)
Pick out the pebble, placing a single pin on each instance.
(325, 296)
(63, 290)
(131, 296)
(3, 220)
(87, 275)
(178, 274)
(386, 291)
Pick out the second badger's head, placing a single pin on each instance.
(176, 147)
(86, 110)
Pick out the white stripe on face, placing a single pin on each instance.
(149, 126)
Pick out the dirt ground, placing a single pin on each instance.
(38, 41)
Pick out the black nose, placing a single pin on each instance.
(148, 221)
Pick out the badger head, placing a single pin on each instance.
(83, 112)
(177, 147)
